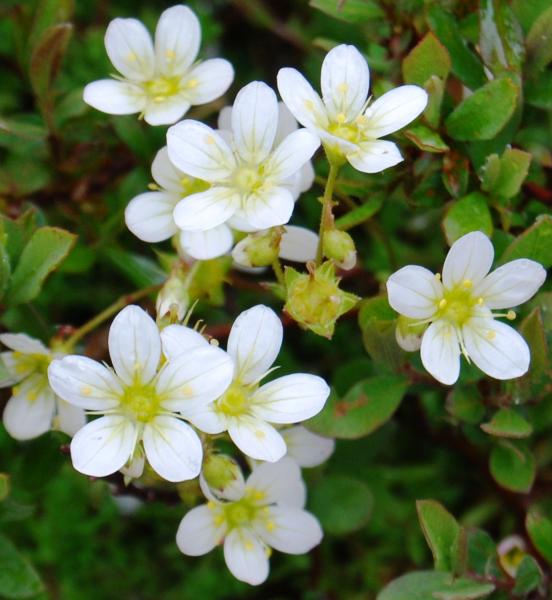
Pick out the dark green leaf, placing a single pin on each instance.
(426, 139)
(440, 530)
(528, 576)
(428, 58)
(513, 466)
(509, 424)
(465, 404)
(353, 11)
(503, 176)
(470, 213)
(18, 579)
(360, 214)
(540, 532)
(539, 42)
(534, 243)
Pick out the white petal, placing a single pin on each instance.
(469, 259)
(345, 80)
(208, 81)
(207, 419)
(395, 109)
(512, 284)
(166, 111)
(256, 439)
(194, 378)
(290, 399)
(208, 244)
(265, 209)
(224, 121)
(206, 210)
(130, 49)
(440, 352)
(274, 480)
(165, 173)
(336, 143)
(134, 345)
(21, 342)
(199, 151)
(414, 292)
(114, 97)
(84, 382)
(306, 177)
(30, 410)
(496, 348)
(291, 530)
(306, 448)
(254, 342)
(177, 38)
(303, 102)
(178, 339)
(294, 151)
(246, 556)
(298, 244)
(150, 216)
(172, 449)
(103, 446)
(373, 157)
(69, 418)
(254, 121)
(407, 338)
(15, 370)
(286, 123)
(197, 533)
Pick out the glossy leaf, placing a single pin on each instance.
(513, 467)
(470, 213)
(508, 423)
(534, 243)
(429, 57)
(441, 532)
(540, 532)
(504, 175)
(18, 579)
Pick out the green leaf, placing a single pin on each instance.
(465, 64)
(503, 176)
(18, 232)
(48, 13)
(455, 173)
(352, 11)
(482, 115)
(465, 404)
(535, 382)
(23, 129)
(527, 11)
(4, 486)
(5, 266)
(470, 213)
(429, 585)
(534, 243)
(342, 504)
(139, 270)
(366, 406)
(482, 555)
(435, 87)
(538, 92)
(426, 139)
(428, 58)
(513, 467)
(539, 529)
(509, 424)
(18, 579)
(528, 576)
(440, 531)
(360, 214)
(539, 42)
(45, 250)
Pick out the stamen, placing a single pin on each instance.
(511, 315)
(153, 186)
(341, 118)
(480, 301)
(442, 303)
(467, 283)
(438, 276)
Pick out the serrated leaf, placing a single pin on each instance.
(45, 250)
(429, 57)
(504, 175)
(470, 213)
(342, 504)
(509, 424)
(18, 579)
(482, 115)
(426, 139)
(539, 529)
(360, 214)
(513, 467)
(534, 243)
(364, 408)
(352, 11)
(440, 530)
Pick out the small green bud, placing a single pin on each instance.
(314, 299)
(340, 247)
(173, 298)
(223, 476)
(258, 249)
(409, 333)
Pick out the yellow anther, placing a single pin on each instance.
(491, 334)
(361, 119)
(442, 303)
(153, 186)
(511, 315)
(438, 276)
(259, 495)
(480, 301)
(86, 390)
(192, 83)
(467, 283)
(343, 87)
(341, 118)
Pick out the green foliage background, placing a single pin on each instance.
(478, 162)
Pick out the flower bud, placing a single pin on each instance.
(221, 478)
(314, 299)
(408, 333)
(340, 247)
(258, 249)
(511, 551)
(173, 298)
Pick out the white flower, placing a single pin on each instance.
(159, 80)
(34, 408)
(150, 215)
(246, 410)
(307, 449)
(269, 515)
(139, 400)
(348, 127)
(249, 180)
(459, 307)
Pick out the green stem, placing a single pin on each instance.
(89, 326)
(326, 219)
(277, 268)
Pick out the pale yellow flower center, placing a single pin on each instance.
(243, 512)
(458, 304)
(235, 401)
(249, 179)
(141, 402)
(36, 363)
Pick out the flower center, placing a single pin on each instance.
(36, 363)
(457, 305)
(235, 401)
(244, 511)
(141, 402)
(162, 88)
(249, 179)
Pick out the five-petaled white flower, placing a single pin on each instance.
(159, 80)
(459, 307)
(140, 401)
(150, 215)
(348, 126)
(269, 514)
(246, 410)
(34, 408)
(249, 179)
